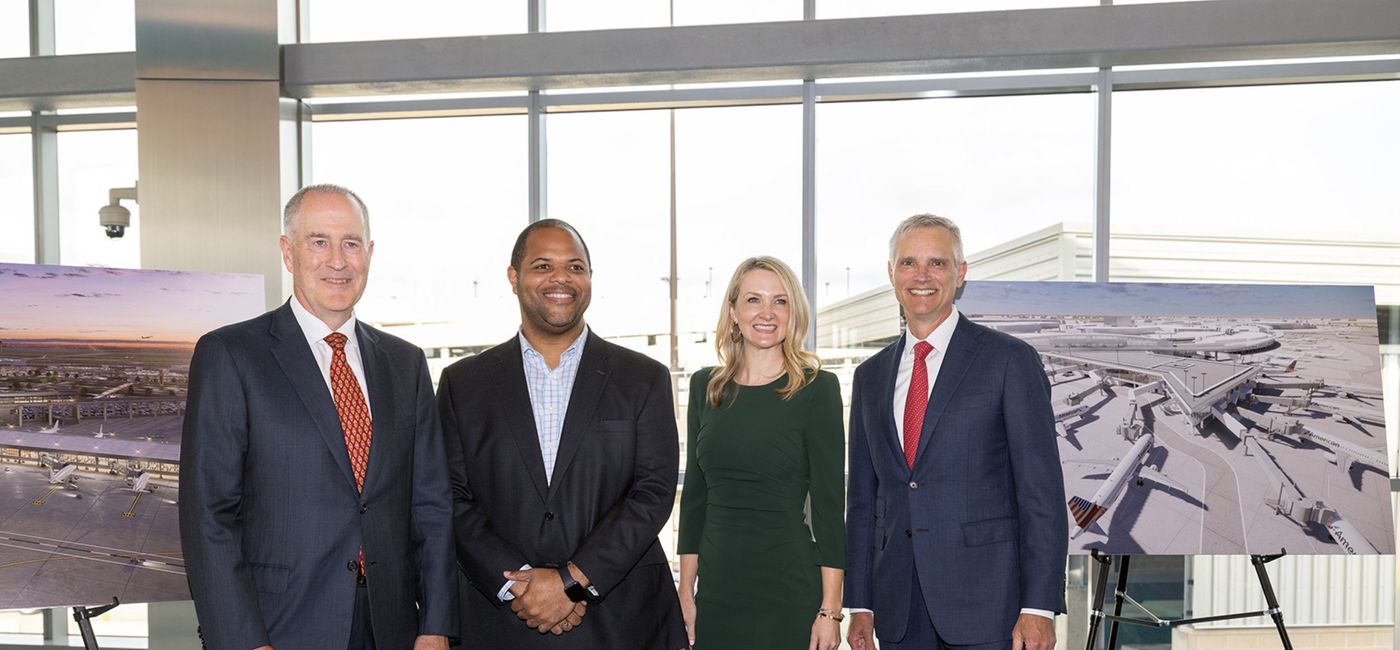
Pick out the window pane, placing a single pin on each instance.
(86, 26)
(715, 12)
(608, 176)
(366, 20)
(619, 14)
(606, 14)
(90, 163)
(16, 199)
(446, 199)
(738, 194)
(1005, 168)
(1291, 184)
(857, 8)
(14, 29)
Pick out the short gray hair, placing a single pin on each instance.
(929, 221)
(289, 214)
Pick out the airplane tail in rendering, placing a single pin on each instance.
(1085, 512)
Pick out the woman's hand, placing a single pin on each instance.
(688, 614)
(826, 634)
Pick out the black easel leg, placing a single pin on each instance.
(1118, 601)
(1259, 561)
(1100, 564)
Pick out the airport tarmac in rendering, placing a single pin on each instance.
(94, 539)
(1248, 486)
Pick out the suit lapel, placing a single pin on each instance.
(886, 404)
(962, 349)
(514, 394)
(592, 378)
(294, 356)
(379, 375)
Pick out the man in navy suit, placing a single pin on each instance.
(956, 526)
(315, 510)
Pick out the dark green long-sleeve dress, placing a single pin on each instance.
(751, 465)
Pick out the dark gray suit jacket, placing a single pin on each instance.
(270, 520)
(614, 487)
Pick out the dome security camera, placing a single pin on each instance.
(115, 219)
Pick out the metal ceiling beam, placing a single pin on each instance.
(1094, 36)
(1226, 30)
(73, 81)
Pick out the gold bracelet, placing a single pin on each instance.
(833, 615)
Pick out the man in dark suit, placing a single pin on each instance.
(314, 504)
(956, 528)
(563, 453)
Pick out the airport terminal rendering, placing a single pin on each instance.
(1187, 209)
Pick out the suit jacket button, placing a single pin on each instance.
(908, 533)
(352, 565)
(364, 508)
(913, 485)
(548, 516)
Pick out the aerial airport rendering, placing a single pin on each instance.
(93, 376)
(1210, 419)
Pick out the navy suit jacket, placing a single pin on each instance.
(979, 524)
(613, 489)
(270, 519)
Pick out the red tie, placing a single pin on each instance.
(354, 414)
(350, 405)
(916, 402)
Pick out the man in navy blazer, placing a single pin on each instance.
(956, 528)
(291, 539)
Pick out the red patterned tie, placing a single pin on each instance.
(916, 402)
(354, 414)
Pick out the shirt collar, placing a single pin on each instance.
(573, 348)
(938, 338)
(315, 329)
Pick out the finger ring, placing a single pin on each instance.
(568, 626)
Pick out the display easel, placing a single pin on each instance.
(1152, 620)
(84, 616)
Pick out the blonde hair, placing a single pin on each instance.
(801, 366)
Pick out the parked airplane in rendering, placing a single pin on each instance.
(137, 479)
(1134, 464)
(60, 471)
(1066, 414)
(53, 428)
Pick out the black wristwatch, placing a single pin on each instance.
(575, 591)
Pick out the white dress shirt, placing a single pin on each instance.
(315, 330)
(939, 339)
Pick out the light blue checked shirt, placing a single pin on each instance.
(549, 393)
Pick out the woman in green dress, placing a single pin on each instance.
(765, 450)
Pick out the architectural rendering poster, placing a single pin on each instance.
(1210, 419)
(93, 370)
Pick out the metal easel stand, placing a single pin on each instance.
(84, 616)
(1097, 615)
